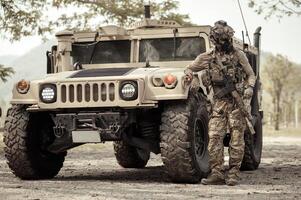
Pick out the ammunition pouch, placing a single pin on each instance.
(216, 75)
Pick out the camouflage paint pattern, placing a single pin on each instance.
(226, 116)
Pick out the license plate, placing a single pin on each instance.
(85, 137)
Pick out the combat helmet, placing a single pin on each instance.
(221, 32)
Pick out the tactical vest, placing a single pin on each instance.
(214, 76)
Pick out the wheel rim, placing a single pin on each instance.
(200, 146)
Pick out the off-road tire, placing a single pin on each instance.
(253, 148)
(179, 142)
(22, 147)
(128, 156)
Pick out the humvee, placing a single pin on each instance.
(126, 86)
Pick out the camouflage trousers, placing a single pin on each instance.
(226, 117)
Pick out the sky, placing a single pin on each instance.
(277, 37)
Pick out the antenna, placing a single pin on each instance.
(243, 19)
(243, 40)
(243, 36)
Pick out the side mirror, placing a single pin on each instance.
(49, 62)
(50, 55)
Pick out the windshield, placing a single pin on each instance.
(165, 49)
(117, 51)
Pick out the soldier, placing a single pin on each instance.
(223, 60)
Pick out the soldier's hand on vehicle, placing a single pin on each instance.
(248, 93)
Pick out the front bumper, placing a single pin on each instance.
(72, 129)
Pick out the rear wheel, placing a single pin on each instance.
(184, 139)
(253, 148)
(130, 157)
(26, 135)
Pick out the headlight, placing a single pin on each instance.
(128, 90)
(48, 93)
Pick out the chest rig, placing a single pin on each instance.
(229, 66)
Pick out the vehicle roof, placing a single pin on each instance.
(146, 28)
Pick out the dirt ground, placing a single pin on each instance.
(91, 172)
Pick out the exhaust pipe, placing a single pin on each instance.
(257, 41)
(147, 13)
(257, 35)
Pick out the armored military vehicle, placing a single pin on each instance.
(126, 86)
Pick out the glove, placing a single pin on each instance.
(188, 75)
(195, 84)
(248, 93)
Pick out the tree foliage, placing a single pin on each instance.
(5, 72)
(20, 18)
(277, 70)
(278, 8)
(282, 80)
(291, 94)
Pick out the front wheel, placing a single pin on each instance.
(184, 139)
(25, 136)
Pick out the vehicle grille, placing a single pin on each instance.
(87, 92)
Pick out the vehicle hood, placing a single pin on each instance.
(110, 74)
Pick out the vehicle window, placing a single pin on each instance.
(165, 49)
(117, 51)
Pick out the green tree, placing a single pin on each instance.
(277, 73)
(5, 72)
(291, 94)
(20, 18)
(278, 8)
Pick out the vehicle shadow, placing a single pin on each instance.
(267, 174)
(148, 174)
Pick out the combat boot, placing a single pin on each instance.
(232, 178)
(231, 181)
(213, 180)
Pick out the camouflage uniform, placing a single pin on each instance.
(225, 115)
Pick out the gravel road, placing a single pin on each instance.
(91, 172)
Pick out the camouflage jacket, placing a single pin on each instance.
(236, 64)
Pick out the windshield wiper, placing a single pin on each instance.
(175, 31)
(94, 47)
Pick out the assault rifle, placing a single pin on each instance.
(229, 89)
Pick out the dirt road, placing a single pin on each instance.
(91, 172)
